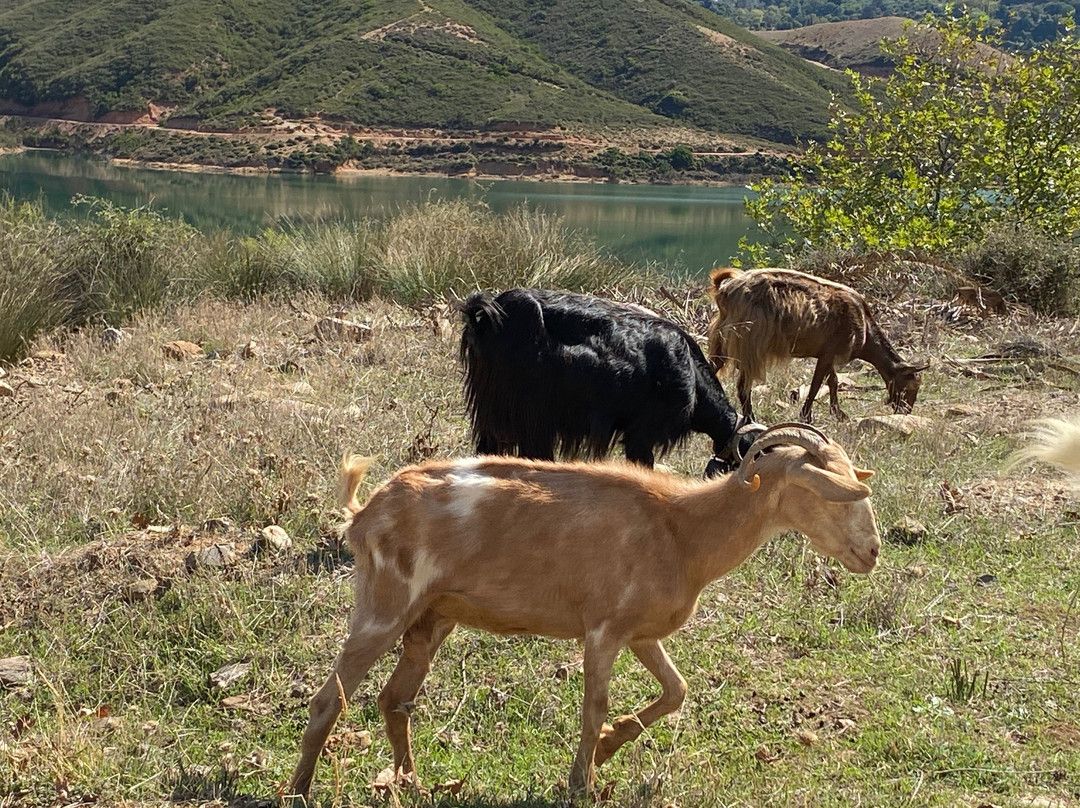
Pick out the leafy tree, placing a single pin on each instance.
(960, 137)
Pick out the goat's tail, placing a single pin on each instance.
(1055, 441)
(353, 470)
(717, 277)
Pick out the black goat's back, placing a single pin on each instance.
(557, 372)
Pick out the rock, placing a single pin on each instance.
(908, 530)
(228, 675)
(335, 328)
(960, 411)
(904, 424)
(215, 556)
(274, 538)
(111, 337)
(15, 671)
(6, 390)
(249, 350)
(181, 350)
(141, 589)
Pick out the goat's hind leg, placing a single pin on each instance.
(368, 640)
(744, 386)
(627, 728)
(822, 369)
(834, 396)
(422, 639)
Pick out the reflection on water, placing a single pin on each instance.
(687, 229)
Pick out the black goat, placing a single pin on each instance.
(557, 371)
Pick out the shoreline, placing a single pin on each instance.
(318, 148)
(346, 173)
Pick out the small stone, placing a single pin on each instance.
(6, 390)
(181, 350)
(215, 556)
(902, 424)
(274, 537)
(335, 328)
(228, 675)
(249, 350)
(986, 580)
(15, 671)
(908, 530)
(960, 411)
(141, 589)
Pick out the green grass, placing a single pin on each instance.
(808, 686)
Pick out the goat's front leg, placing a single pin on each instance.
(600, 652)
(421, 641)
(367, 641)
(627, 728)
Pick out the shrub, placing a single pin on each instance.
(1027, 266)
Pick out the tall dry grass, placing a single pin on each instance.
(116, 262)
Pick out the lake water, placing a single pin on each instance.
(687, 229)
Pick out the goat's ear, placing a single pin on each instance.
(863, 474)
(829, 485)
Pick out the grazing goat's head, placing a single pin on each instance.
(825, 496)
(904, 387)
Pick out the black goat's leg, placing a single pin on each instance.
(640, 453)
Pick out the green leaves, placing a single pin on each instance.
(959, 137)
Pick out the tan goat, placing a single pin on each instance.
(610, 553)
(767, 316)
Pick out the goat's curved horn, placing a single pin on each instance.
(742, 426)
(804, 436)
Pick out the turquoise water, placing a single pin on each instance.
(686, 229)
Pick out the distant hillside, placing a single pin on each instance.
(855, 44)
(408, 63)
(1024, 23)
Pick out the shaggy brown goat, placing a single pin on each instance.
(611, 553)
(768, 316)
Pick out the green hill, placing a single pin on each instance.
(408, 63)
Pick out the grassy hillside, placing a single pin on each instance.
(441, 63)
(677, 60)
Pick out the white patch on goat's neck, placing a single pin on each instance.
(424, 572)
(377, 558)
(468, 487)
